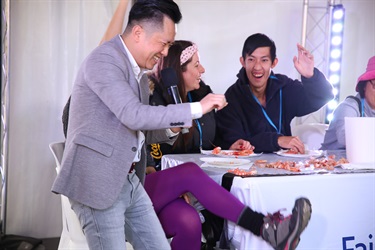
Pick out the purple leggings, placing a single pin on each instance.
(179, 219)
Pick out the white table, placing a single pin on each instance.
(343, 204)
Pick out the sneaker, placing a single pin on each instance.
(283, 233)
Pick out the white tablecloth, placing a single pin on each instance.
(343, 204)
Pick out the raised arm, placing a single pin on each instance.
(116, 24)
(304, 63)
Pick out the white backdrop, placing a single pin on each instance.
(50, 38)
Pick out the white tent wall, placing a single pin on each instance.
(49, 39)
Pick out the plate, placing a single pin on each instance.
(228, 154)
(224, 162)
(308, 153)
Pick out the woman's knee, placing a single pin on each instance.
(190, 222)
(191, 168)
(180, 218)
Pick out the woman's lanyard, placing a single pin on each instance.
(266, 115)
(363, 107)
(198, 126)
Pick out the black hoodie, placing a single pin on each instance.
(243, 118)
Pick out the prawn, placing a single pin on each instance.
(216, 150)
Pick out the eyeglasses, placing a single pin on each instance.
(372, 83)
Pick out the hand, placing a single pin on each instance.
(150, 170)
(186, 198)
(291, 142)
(176, 130)
(304, 63)
(213, 101)
(241, 145)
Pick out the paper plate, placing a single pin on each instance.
(224, 162)
(308, 153)
(229, 154)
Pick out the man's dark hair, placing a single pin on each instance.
(153, 11)
(256, 41)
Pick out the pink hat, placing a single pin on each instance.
(370, 72)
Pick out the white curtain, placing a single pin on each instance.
(50, 38)
(48, 41)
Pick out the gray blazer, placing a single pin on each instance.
(107, 109)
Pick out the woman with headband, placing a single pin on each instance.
(167, 188)
(183, 57)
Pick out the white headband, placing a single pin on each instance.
(187, 53)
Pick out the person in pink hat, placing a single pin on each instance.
(361, 105)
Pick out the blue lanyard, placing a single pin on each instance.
(198, 126)
(266, 115)
(363, 107)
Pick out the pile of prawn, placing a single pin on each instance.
(328, 163)
(245, 152)
(242, 172)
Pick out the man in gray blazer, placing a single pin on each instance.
(108, 119)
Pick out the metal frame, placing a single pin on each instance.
(4, 110)
(315, 37)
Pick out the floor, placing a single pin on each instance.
(53, 243)
(17, 242)
(50, 244)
